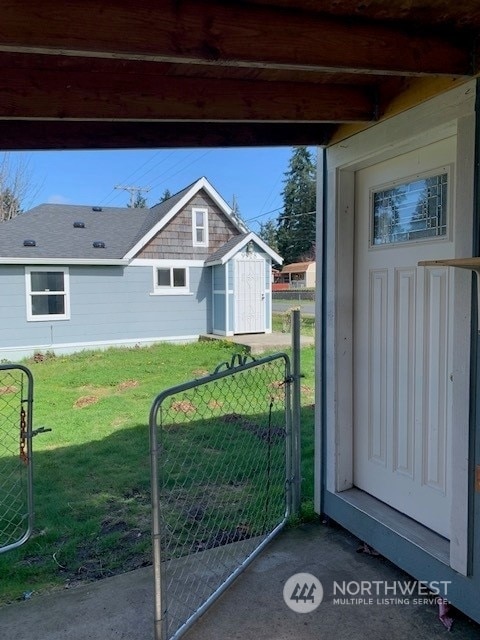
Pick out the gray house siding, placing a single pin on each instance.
(219, 299)
(12, 304)
(107, 304)
(129, 290)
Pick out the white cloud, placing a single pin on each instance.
(57, 198)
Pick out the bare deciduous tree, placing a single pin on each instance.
(15, 185)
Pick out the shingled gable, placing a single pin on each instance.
(235, 244)
(186, 195)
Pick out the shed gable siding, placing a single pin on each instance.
(174, 241)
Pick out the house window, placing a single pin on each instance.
(411, 211)
(200, 227)
(48, 295)
(171, 280)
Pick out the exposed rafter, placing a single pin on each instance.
(233, 33)
(80, 95)
(176, 73)
(30, 134)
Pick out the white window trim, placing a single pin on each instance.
(171, 290)
(29, 293)
(203, 210)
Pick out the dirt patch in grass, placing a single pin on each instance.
(200, 373)
(118, 422)
(85, 401)
(265, 433)
(127, 384)
(215, 404)
(277, 390)
(112, 525)
(8, 389)
(183, 406)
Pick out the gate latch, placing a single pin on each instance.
(35, 432)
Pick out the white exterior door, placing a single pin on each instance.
(403, 323)
(249, 295)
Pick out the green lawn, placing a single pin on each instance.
(92, 473)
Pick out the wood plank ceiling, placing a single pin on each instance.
(157, 73)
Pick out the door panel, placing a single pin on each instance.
(402, 351)
(249, 295)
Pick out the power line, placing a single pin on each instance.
(132, 191)
(293, 215)
(158, 179)
(110, 196)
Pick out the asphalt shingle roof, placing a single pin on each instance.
(224, 249)
(51, 226)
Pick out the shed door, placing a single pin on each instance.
(403, 320)
(249, 295)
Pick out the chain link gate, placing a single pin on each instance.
(16, 490)
(222, 473)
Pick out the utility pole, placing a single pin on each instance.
(133, 191)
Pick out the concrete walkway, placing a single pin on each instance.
(121, 607)
(260, 342)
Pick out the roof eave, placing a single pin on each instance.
(71, 261)
(250, 236)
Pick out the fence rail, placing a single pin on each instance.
(16, 493)
(222, 474)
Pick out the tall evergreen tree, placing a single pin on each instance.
(296, 223)
(140, 202)
(268, 233)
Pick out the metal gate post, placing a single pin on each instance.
(296, 414)
(156, 529)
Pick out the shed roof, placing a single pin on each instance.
(298, 267)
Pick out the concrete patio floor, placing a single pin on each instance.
(121, 607)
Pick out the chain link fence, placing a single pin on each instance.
(16, 502)
(221, 482)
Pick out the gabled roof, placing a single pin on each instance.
(235, 244)
(123, 230)
(298, 267)
(184, 196)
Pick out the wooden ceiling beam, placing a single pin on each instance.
(59, 95)
(23, 135)
(233, 33)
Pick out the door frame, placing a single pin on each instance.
(450, 114)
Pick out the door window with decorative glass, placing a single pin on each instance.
(413, 210)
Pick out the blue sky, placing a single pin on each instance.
(254, 176)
